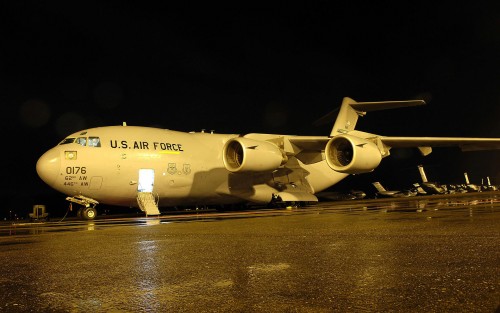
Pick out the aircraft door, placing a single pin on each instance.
(146, 180)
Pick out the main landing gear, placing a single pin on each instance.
(277, 202)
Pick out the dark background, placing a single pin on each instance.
(66, 66)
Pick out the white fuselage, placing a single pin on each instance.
(179, 168)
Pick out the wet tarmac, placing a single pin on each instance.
(434, 254)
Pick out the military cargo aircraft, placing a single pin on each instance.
(431, 188)
(384, 193)
(151, 168)
(489, 186)
(470, 187)
(341, 195)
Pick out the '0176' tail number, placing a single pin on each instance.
(76, 170)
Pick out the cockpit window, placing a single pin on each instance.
(94, 142)
(81, 141)
(67, 140)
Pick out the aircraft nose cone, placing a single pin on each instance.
(48, 166)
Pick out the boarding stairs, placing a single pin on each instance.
(147, 203)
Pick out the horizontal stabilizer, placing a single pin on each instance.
(384, 105)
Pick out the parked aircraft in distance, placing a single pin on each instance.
(420, 191)
(489, 186)
(464, 187)
(149, 168)
(430, 188)
(470, 187)
(456, 188)
(341, 195)
(383, 193)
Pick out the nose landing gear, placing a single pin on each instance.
(87, 211)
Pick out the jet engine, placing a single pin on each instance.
(246, 155)
(352, 155)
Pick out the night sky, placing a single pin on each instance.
(66, 66)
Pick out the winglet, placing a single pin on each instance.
(350, 110)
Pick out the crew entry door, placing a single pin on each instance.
(146, 180)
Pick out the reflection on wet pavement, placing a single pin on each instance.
(426, 255)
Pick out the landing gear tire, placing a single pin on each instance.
(89, 213)
(295, 204)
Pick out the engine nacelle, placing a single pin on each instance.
(352, 155)
(247, 155)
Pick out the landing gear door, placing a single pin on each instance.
(146, 180)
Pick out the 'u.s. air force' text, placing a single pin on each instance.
(165, 146)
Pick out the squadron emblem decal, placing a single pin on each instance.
(172, 168)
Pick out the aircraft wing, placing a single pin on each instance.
(465, 144)
(424, 144)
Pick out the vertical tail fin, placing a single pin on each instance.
(378, 186)
(347, 117)
(422, 174)
(466, 178)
